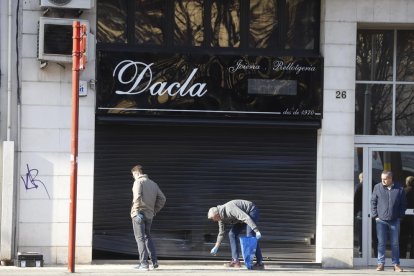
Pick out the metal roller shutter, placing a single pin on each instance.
(201, 167)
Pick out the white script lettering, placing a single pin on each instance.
(244, 65)
(137, 85)
(280, 65)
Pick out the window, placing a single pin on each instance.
(237, 25)
(384, 93)
(112, 21)
(149, 28)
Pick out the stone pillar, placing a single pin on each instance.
(335, 171)
(8, 198)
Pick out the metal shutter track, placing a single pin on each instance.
(200, 167)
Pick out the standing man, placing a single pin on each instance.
(388, 204)
(147, 201)
(241, 214)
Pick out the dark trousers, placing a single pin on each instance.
(146, 249)
(407, 237)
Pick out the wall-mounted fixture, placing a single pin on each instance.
(55, 39)
(67, 4)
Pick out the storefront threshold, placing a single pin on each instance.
(278, 264)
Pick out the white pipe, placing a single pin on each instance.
(9, 69)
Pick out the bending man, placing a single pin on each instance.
(240, 214)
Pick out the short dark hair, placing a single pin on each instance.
(387, 173)
(137, 168)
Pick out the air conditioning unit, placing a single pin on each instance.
(67, 4)
(55, 39)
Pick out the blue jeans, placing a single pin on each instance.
(142, 228)
(389, 228)
(234, 236)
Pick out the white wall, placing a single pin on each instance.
(3, 64)
(339, 21)
(43, 222)
(8, 129)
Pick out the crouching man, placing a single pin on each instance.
(240, 214)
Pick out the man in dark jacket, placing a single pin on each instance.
(240, 214)
(388, 205)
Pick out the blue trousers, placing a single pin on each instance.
(389, 228)
(234, 236)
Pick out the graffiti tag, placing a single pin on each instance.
(30, 181)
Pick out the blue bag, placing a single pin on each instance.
(248, 248)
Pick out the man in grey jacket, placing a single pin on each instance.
(147, 201)
(388, 205)
(241, 214)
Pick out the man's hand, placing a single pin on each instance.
(214, 250)
(258, 235)
(139, 217)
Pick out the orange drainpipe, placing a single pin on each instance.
(78, 63)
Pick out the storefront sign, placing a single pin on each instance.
(141, 70)
(200, 85)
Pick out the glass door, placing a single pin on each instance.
(374, 160)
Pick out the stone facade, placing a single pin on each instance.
(42, 125)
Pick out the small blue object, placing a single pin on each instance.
(248, 248)
(214, 250)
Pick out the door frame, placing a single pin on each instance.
(368, 149)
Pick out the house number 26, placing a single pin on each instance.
(340, 94)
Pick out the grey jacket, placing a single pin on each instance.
(235, 211)
(147, 197)
(388, 204)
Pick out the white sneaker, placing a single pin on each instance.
(142, 267)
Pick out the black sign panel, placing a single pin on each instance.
(209, 86)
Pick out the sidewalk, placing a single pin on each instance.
(191, 269)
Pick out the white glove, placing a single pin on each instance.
(214, 250)
(258, 235)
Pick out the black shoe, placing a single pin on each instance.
(258, 266)
(154, 265)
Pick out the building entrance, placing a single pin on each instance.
(369, 163)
